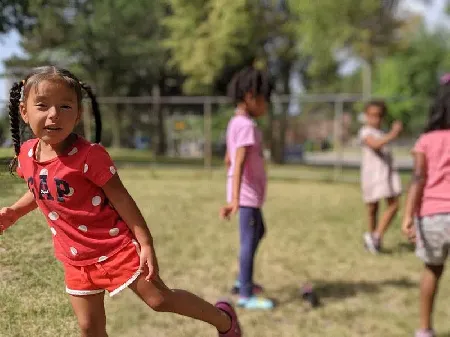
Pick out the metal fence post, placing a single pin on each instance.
(207, 111)
(337, 135)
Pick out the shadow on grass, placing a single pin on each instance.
(405, 247)
(343, 289)
(339, 290)
(401, 247)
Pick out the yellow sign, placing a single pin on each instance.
(180, 126)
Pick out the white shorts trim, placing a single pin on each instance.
(115, 291)
(126, 284)
(84, 292)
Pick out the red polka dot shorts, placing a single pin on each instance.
(113, 275)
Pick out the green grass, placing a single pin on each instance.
(314, 234)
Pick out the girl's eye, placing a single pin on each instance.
(66, 107)
(41, 105)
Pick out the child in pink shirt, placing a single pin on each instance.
(428, 202)
(246, 178)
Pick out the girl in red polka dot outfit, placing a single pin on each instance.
(98, 232)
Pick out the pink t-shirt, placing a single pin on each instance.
(436, 195)
(243, 131)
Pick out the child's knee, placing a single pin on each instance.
(158, 296)
(92, 326)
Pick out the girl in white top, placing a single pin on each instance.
(379, 179)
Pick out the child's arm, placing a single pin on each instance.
(232, 208)
(23, 206)
(130, 213)
(415, 192)
(378, 143)
(227, 160)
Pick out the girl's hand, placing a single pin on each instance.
(8, 217)
(148, 256)
(227, 211)
(408, 229)
(396, 128)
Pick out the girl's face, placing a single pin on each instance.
(256, 105)
(374, 116)
(52, 110)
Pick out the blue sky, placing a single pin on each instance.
(9, 44)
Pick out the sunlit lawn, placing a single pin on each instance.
(314, 233)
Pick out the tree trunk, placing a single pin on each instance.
(160, 146)
(282, 87)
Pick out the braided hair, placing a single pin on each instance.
(249, 80)
(19, 92)
(439, 113)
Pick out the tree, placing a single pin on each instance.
(366, 29)
(210, 40)
(412, 75)
(114, 44)
(13, 15)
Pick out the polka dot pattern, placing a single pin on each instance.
(83, 228)
(75, 231)
(96, 201)
(53, 216)
(114, 232)
(73, 151)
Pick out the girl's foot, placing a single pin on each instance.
(371, 244)
(235, 330)
(425, 333)
(255, 303)
(257, 288)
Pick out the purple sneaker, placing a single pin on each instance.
(425, 333)
(235, 330)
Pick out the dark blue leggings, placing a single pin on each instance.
(252, 229)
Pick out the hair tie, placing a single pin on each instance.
(445, 79)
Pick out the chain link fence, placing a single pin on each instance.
(312, 130)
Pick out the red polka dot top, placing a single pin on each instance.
(85, 227)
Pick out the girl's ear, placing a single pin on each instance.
(79, 115)
(23, 112)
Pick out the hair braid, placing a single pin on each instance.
(14, 120)
(95, 111)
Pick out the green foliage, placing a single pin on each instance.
(361, 28)
(204, 36)
(412, 75)
(207, 36)
(13, 15)
(113, 44)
